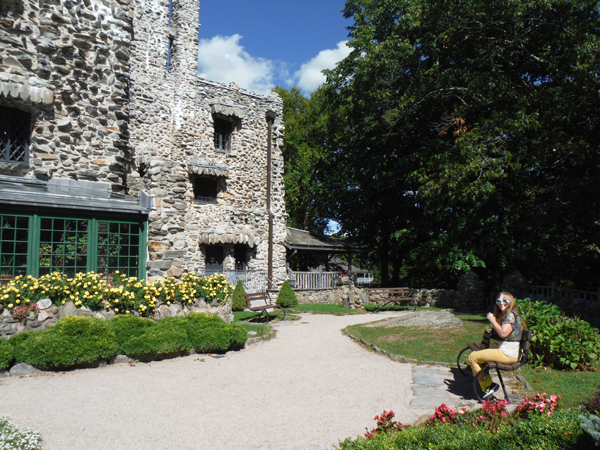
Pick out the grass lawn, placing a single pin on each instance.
(325, 308)
(573, 387)
(424, 344)
(444, 344)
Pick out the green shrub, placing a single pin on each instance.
(559, 431)
(127, 327)
(287, 297)
(208, 333)
(13, 437)
(165, 337)
(239, 299)
(6, 354)
(559, 341)
(72, 341)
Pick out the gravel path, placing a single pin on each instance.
(307, 389)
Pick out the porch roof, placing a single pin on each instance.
(305, 240)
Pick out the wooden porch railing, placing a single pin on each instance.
(315, 280)
(559, 292)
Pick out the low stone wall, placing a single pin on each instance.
(50, 313)
(357, 297)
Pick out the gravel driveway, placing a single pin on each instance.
(307, 389)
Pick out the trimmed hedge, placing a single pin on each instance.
(560, 431)
(6, 354)
(77, 341)
(72, 341)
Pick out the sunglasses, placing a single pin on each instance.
(502, 301)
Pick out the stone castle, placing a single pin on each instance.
(115, 155)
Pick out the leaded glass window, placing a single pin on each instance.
(14, 231)
(15, 132)
(223, 129)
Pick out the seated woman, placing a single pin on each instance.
(508, 325)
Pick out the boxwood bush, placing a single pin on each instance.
(559, 341)
(238, 297)
(287, 297)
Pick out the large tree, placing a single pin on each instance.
(305, 157)
(466, 136)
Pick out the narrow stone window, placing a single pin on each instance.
(223, 130)
(205, 189)
(15, 132)
(214, 259)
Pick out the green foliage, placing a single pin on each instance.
(72, 341)
(287, 297)
(238, 297)
(6, 354)
(199, 331)
(559, 431)
(13, 437)
(464, 135)
(305, 158)
(559, 341)
(209, 333)
(128, 327)
(591, 425)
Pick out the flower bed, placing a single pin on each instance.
(535, 423)
(28, 303)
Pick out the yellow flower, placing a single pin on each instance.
(116, 310)
(10, 305)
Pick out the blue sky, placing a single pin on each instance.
(261, 43)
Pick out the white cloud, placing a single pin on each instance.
(223, 59)
(309, 77)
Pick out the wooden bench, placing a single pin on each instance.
(524, 345)
(264, 309)
(389, 295)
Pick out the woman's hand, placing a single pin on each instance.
(502, 331)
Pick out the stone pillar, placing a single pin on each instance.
(514, 283)
(470, 293)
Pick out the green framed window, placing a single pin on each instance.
(118, 248)
(63, 246)
(41, 244)
(14, 238)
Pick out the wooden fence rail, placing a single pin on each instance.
(559, 292)
(315, 280)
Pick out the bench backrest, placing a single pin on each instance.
(262, 296)
(524, 346)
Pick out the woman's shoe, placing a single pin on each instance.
(491, 390)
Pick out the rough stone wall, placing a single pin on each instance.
(49, 314)
(93, 74)
(66, 62)
(173, 114)
(356, 297)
